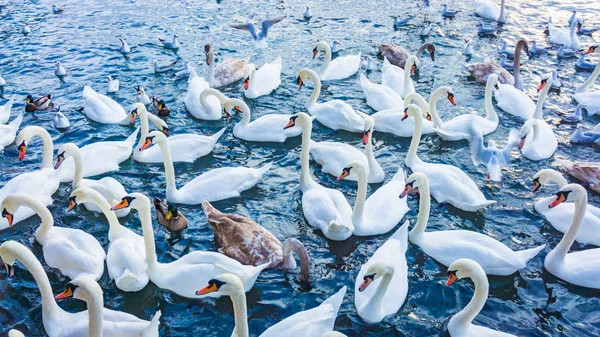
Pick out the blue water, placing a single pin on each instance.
(84, 38)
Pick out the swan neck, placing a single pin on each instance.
(502, 16)
(558, 179)
(169, 168)
(490, 112)
(148, 232)
(361, 198)
(47, 220)
(327, 61)
(412, 157)
(517, 64)
(114, 226)
(419, 53)
(433, 109)
(293, 245)
(377, 299)
(590, 81)
(95, 311)
(245, 114)
(424, 209)
(240, 314)
(305, 178)
(145, 129)
(312, 100)
(78, 174)
(211, 70)
(568, 239)
(465, 317)
(48, 149)
(540, 103)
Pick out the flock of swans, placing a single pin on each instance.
(245, 247)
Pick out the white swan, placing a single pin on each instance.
(8, 132)
(488, 9)
(333, 156)
(383, 210)
(461, 324)
(340, 68)
(5, 110)
(199, 100)
(335, 114)
(185, 147)
(584, 96)
(398, 79)
(216, 184)
(17, 333)
(111, 190)
(267, 128)
(512, 99)
(60, 323)
(563, 36)
(88, 290)
(183, 275)
(390, 121)
(126, 256)
(381, 285)
(72, 251)
(581, 268)
(379, 97)
(103, 109)
(458, 128)
(561, 215)
(324, 208)
(262, 81)
(225, 73)
(314, 322)
(450, 184)
(450, 245)
(537, 137)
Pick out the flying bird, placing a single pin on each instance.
(259, 37)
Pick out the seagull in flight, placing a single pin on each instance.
(491, 156)
(259, 37)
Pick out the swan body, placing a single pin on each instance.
(511, 99)
(8, 132)
(380, 97)
(5, 110)
(482, 70)
(488, 9)
(72, 251)
(390, 121)
(113, 85)
(448, 246)
(262, 81)
(217, 184)
(183, 275)
(564, 36)
(537, 137)
(335, 114)
(398, 56)
(450, 184)
(201, 101)
(184, 147)
(398, 79)
(581, 268)
(225, 73)
(103, 109)
(590, 98)
(381, 285)
(338, 69)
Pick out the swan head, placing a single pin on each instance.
(227, 284)
(542, 177)
(68, 149)
(139, 90)
(208, 52)
(319, 47)
(234, 103)
(368, 128)
(136, 201)
(462, 268)
(590, 50)
(529, 124)
(412, 110)
(493, 80)
(83, 288)
(305, 74)
(375, 272)
(301, 119)
(25, 136)
(525, 45)
(8, 253)
(153, 137)
(13, 201)
(249, 70)
(413, 63)
(570, 192)
(414, 181)
(430, 47)
(136, 110)
(544, 82)
(356, 166)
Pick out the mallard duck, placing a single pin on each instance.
(162, 109)
(164, 215)
(246, 241)
(41, 103)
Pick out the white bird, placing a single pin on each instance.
(2, 81)
(113, 85)
(170, 45)
(56, 9)
(259, 37)
(491, 156)
(307, 13)
(124, 49)
(468, 48)
(335, 46)
(26, 29)
(59, 70)
(185, 72)
(159, 68)
(8, 132)
(368, 65)
(425, 29)
(141, 96)
(60, 120)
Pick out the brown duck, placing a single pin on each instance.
(398, 55)
(249, 243)
(41, 104)
(587, 172)
(169, 216)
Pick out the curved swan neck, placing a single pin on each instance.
(421, 102)
(145, 128)
(585, 86)
(305, 178)
(419, 53)
(95, 307)
(465, 317)
(377, 298)
(407, 67)
(412, 157)
(502, 16)
(490, 112)
(42, 211)
(327, 61)
(211, 92)
(424, 209)
(240, 312)
(78, 161)
(47, 144)
(293, 245)
(211, 70)
(517, 64)
(573, 30)
(361, 197)
(568, 239)
(557, 178)
(114, 226)
(312, 100)
(169, 168)
(245, 113)
(433, 108)
(146, 219)
(538, 114)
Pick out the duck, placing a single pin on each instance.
(249, 243)
(448, 13)
(25, 29)
(335, 114)
(163, 68)
(42, 103)
(61, 323)
(126, 255)
(390, 121)
(379, 97)
(202, 101)
(89, 291)
(263, 81)
(490, 10)
(162, 109)
(564, 52)
(174, 44)
(581, 268)
(398, 56)
(214, 185)
(511, 98)
(583, 94)
(225, 73)
(59, 69)
(307, 13)
(185, 148)
(40, 184)
(113, 85)
(482, 70)
(110, 188)
(72, 251)
(169, 216)
(267, 128)
(468, 48)
(324, 208)
(564, 36)
(584, 137)
(124, 48)
(535, 50)
(556, 81)
(584, 64)
(576, 116)
(141, 96)
(447, 246)
(182, 276)
(382, 211)
(58, 9)
(314, 322)
(491, 156)
(5, 110)
(8, 132)
(340, 68)
(333, 156)
(451, 184)
(561, 215)
(102, 109)
(398, 22)
(381, 285)
(399, 79)
(260, 38)
(461, 324)
(537, 137)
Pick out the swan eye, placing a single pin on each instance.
(451, 277)
(369, 277)
(536, 184)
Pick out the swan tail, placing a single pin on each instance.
(16, 122)
(442, 132)
(218, 135)
(152, 328)
(265, 168)
(130, 282)
(402, 235)
(251, 274)
(87, 90)
(131, 139)
(400, 175)
(484, 204)
(338, 231)
(336, 300)
(529, 254)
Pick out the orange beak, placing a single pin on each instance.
(451, 99)
(72, 204)
(121, 205)
(404, 117)
(365, 284)
(542, 85)
(146, 144)
(211, 288)
(246, 83)
(300, 82)
(428, 117)
(315, 52)
(9, 217)
(343, 175)
(227, 115)
(65, 294)
(290, 124)
(365, 138)
(451, 279)
(536, 185)
(22, 150)
(559, 200)
(413, 68)
(522, 143)
(59, 161)
(590, 50)
(407, 190)
(133, 117)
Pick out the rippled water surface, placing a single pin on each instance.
(84, 38)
